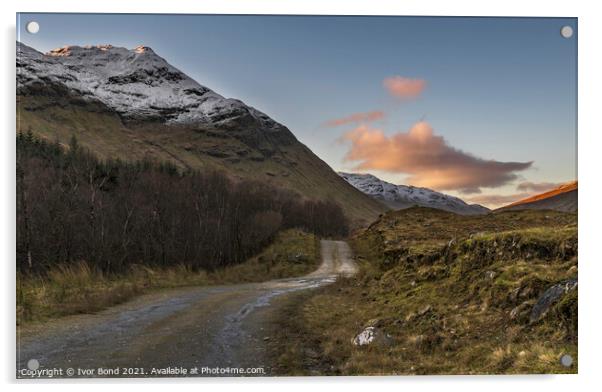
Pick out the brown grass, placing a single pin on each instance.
(80, 288)
(445, 299)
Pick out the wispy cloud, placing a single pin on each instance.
(404, 88)
(497, 200)
(428, 159)
(537, 187)
(356, 118)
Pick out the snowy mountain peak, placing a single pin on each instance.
(404, 196)
(136, 83)
(143, 49)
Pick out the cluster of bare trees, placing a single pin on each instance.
(72, 206)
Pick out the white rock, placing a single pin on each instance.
(372, 335)
(365, 337)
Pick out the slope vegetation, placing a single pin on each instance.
(446, 294)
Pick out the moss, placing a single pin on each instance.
(449, 314)
(567, 312)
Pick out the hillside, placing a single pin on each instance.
(402, 196)
(133, 105)
(564, 198)
(441, 293)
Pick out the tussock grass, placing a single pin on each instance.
(81, 288)
(446, 299)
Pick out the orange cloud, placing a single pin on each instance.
(404, 88)
(537, 187)
(428, 159)
(356, 118)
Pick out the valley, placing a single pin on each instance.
(162, 225)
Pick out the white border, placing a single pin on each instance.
(589, 176)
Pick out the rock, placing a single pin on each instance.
(372, 335)
(550, 297)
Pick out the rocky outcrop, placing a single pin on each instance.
(550, 297)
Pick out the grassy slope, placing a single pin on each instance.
(83, 290)
(102, 131)
(564, 188)
(565, 201)
(443, 287)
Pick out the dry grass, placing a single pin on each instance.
(81, 289)
(446, 304)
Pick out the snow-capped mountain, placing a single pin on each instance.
(403, 196)
(131, 104)
(136, 83)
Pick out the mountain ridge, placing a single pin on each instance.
(137, 83)
(133, 105)
(562, 198)
(404, 196)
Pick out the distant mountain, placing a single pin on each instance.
(403, 196)
(564, 198)
(132, 104)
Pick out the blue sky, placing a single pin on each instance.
(500, 89)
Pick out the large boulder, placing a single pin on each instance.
(372, 336)
(550, 297)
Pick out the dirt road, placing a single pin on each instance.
(206, 330)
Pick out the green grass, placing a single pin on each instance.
(445, 299)
(82, 289)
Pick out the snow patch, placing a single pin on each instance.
(404, 196)
(136, 83)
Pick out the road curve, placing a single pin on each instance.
(211, 329)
